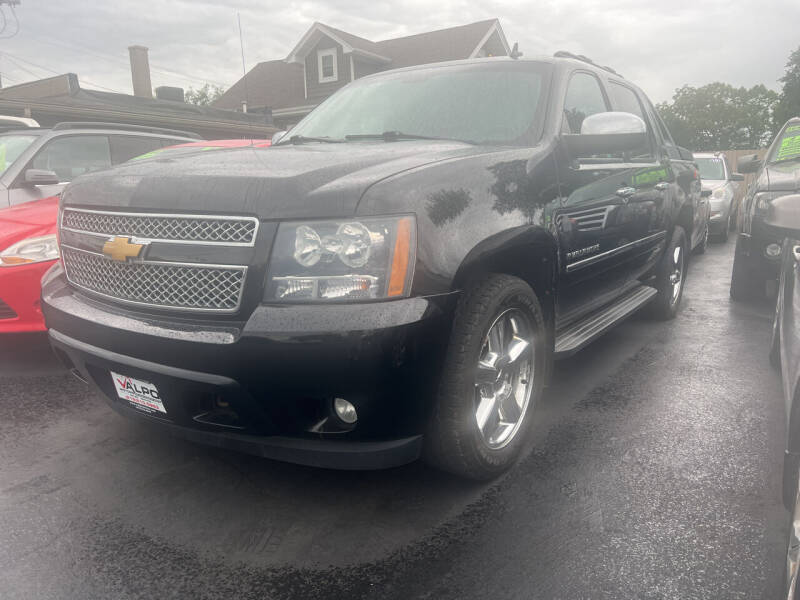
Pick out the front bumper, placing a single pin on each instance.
(751, 249)
(20, 291)
(266, 385)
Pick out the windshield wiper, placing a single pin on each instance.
(392, 136)
(301, 139)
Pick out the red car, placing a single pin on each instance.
(28, 247)
(202, 145)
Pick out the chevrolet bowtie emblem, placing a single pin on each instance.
(121, 248)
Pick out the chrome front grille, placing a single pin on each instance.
(204, 229)
(184, 286)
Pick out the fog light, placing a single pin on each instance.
(772, 250)
(345, 411)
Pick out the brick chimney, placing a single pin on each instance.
(140, 72)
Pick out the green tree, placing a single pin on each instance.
(203, 96)
(718, 116)
(789, 103)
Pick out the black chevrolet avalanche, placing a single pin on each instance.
(393, 278)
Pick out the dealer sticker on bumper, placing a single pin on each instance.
(142, 394)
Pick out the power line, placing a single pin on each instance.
(20, 67)
(17, 59)
(4, 76)
(119, 60)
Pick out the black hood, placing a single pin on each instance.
(781, 177)
(283, 182)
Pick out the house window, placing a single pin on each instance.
(326, 65)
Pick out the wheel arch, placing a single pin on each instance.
(527, 252)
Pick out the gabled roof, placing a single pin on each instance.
(351, 44)
(279, 84)
(274, 84)
(453, 43)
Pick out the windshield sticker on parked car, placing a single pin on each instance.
(790, 147)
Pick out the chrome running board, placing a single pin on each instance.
(583, 332)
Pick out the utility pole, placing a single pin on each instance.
(244, 69)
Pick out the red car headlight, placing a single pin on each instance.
(30, 250)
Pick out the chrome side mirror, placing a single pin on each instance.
(607, 133)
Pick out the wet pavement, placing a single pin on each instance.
(653, 472)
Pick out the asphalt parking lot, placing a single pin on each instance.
(653, 472)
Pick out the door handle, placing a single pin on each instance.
(661, 186)
(625, 192)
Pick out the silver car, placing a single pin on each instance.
(38, 163)
(717, 176)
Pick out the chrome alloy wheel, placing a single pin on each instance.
(676, 274)
(504, 378)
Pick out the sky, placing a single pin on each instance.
(660, 46)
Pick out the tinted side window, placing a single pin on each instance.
(74, 155)
(584, 98)
(666, 138)
(625, 100)
(126, 147)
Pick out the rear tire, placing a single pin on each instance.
(474, 430)
(670, 277)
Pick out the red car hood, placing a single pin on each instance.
(28, 220)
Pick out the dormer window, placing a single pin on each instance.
(326, 65)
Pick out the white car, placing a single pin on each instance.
(718, 177)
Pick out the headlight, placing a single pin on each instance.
(723, 192)
(30, 250)
(364, 259)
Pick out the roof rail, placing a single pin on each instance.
(123, 127)
(582, 58)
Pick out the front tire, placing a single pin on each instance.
(670, 277)
(493, 377)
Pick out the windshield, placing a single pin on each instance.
(711, 168)
(787, 147)
(484, 104)
(11, 146)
